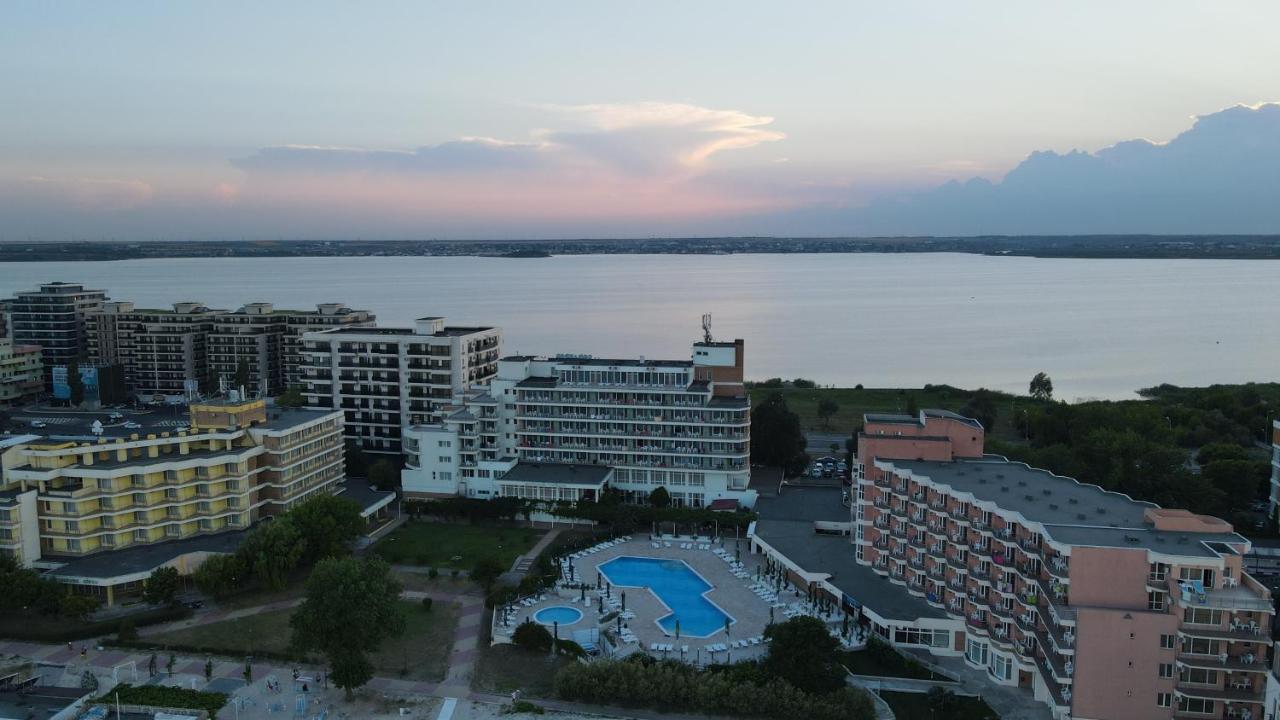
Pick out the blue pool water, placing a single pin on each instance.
(559, 614)
(677, 586)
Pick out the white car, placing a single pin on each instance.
(38, 424)
(133, 425)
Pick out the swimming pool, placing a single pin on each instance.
(558, 614)
(678, 586)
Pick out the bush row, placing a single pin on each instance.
(676, 686)
(72, 630)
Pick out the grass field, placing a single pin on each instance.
(885, 664)
(448, 545)
(854, 402)
(423, 649)
(503, 668)
(915, 706)
(264, 632)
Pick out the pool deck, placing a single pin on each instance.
(731, 593)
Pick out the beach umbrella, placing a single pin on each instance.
(608, 592)
(677, 629)
(583, 588)
(624, 601)
(619, 618)
(601, 605)
(770, 614)
(726, 627)
(597, 579)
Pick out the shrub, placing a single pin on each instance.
(426, 604)
(532, 636)
(433, 573)
(524, 706)
(127, 632)
(167, 697)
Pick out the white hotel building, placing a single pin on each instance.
(566, 428)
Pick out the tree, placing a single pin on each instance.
(291, 398)
(532, 636)
(803, 653)
(826, 408)
(941, 701)
(659, 497)
(383, 474)
(486, 572)
(208, 670)
(913, 409)
(221, 575)
(1041, 387)
(241, 378)
(803, 384)
(272, 551)
(982, 407)
(75, 382)
(77, 607)
(330, 523)
(776, 436)
(163, 584)
(351, 607)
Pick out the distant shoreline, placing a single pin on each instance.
(1203, 247)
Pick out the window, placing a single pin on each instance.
(1200, 646)
(1164, 699)
(171, 493)
(1166, 670)
(139, 498)
(1167, 642)
(1158, 572)
(1195, 705)
(233, 502)
(140, 535)
(104, 483)
(73, 545)
(1001, 668)
(1156, 599)
(140, 516)
(172, 530)
(1198, 676)
(916, 636)
(1202, 616)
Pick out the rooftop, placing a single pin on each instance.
(904, 419)
(39, 702)
(456, 331)
(1071, 512)
(787, 524)
(112, 564)
(369, 498)
(557, 474)
(60, 425)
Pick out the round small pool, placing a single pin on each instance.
(558, 614)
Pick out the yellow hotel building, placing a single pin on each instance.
(85, 487)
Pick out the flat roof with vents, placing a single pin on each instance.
(1072, 512)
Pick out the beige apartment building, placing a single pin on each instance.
(385, 380)
(163, 352)
(80, 490)
(21, 373)
(269, 341)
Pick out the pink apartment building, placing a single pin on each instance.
(1100, 605)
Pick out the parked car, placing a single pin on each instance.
(816, 470)
(38, 424)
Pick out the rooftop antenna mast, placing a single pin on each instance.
(706, 328)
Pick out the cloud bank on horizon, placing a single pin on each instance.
(655, 168)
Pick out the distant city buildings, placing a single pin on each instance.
(269, 342)
(21, 373)
(1099, 605)
(54, 317)
(385, 380)
(567, 428)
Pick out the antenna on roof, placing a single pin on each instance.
(706, 327)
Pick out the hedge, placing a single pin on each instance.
(69, 630)
(731, 691)
(165, 697)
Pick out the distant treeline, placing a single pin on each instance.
(1087, 246)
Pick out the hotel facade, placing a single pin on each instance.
(21, 373)
(1098, 605)
(164, 352)
(683, 425)
(385, 380)
(85, 491)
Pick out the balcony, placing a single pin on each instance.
(1239, 597)
(1250, 694)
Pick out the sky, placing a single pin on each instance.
(147, 120)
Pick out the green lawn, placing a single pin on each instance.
(425, 583)
(503, 668)
(886, 663)
(915, 706)
(854, 402)
(423, 649)
(263, 632)
(449, 545)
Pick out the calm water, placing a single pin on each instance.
(677, 586)
(1100, 328)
